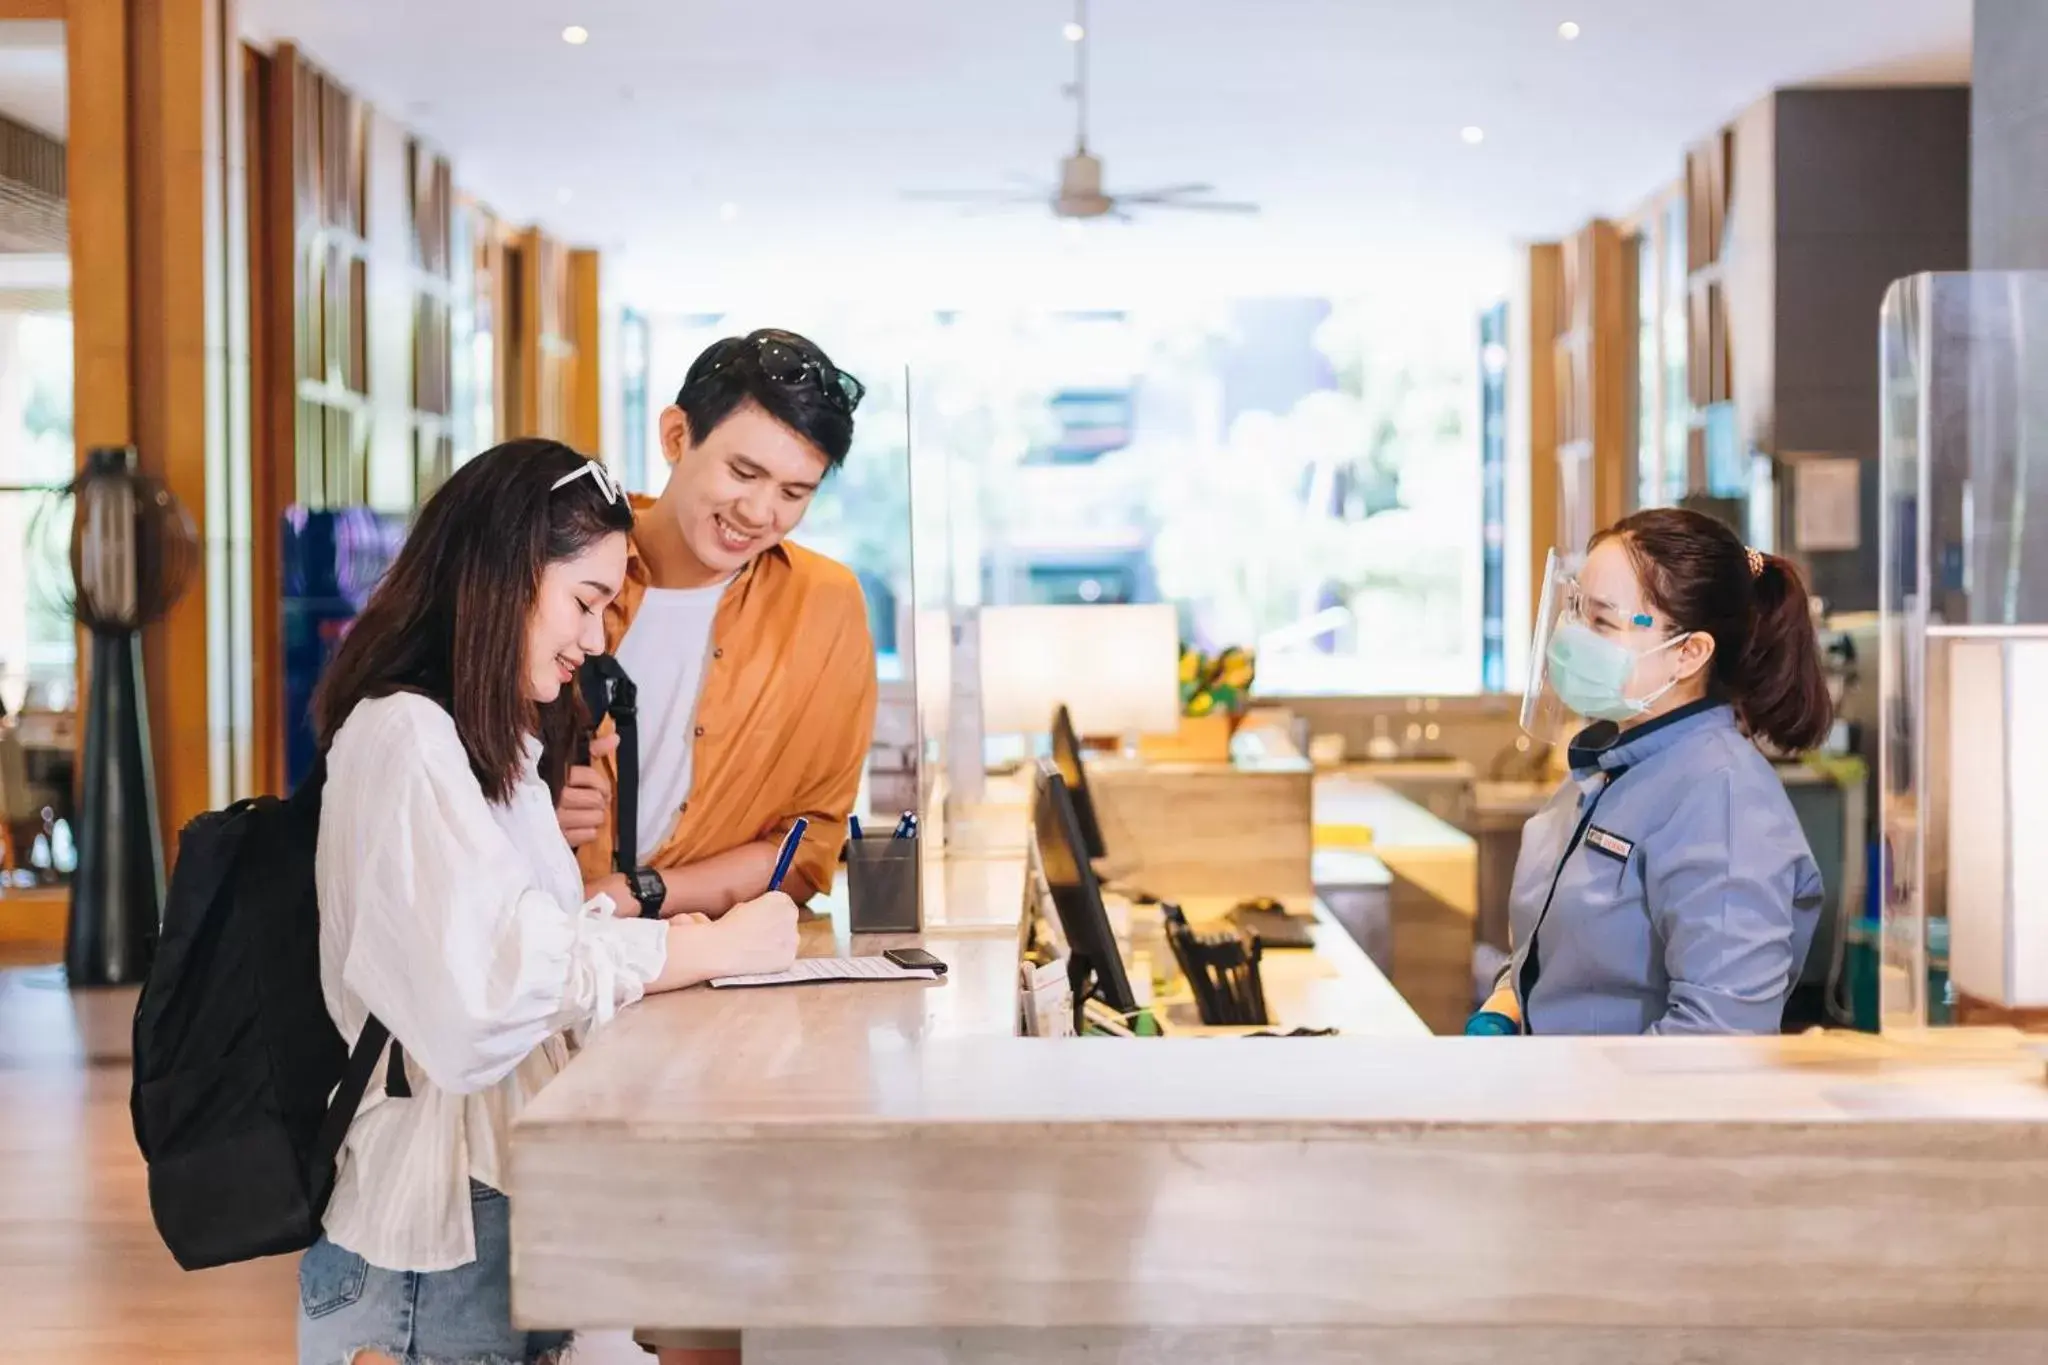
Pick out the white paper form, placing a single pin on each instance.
(816, 969)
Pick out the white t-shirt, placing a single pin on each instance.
(664, 653)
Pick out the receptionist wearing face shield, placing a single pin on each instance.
(1667, 887)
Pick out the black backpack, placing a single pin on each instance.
(235, 1055)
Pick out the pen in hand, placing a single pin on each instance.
(788, 854)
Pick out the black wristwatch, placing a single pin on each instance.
(649, 889)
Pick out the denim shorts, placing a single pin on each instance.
(420, 1317)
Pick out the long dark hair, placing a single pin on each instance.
(450, 617)
(1700, 575)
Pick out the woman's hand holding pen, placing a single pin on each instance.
(758, 935)
(755, 936)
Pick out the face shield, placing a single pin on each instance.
(1588, 659)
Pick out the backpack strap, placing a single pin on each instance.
(348, 1097)
(626, 717)
(608, 691)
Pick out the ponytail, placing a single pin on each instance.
(1780, 687)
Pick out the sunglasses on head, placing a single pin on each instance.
(784, 364)
(599, 475)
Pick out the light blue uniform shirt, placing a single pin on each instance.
(1687, 896)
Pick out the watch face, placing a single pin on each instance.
(648, 888)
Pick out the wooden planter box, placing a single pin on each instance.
(1201, 739)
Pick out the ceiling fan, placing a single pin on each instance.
(1079, 194)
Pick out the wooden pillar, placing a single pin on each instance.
(1591, 359)
(96, 168)
(586, 400)
(488, 349)
(553, 324)
(178, 135)
(273, 474)
(156, 340)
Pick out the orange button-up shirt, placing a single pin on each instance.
(784, 716)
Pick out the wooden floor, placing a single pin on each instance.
(82, 1274)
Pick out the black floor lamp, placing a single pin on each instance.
(133, 549)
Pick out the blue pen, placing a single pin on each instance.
(788, 853)
(853, 825)
(905, 827)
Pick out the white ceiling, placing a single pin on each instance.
(32, 73)
(1342, 117)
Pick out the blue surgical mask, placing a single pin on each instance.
(1590, 673)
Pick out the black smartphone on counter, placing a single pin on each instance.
(915, 959)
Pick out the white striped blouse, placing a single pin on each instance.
(457, 923)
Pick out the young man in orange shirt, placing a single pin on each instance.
(751, 657)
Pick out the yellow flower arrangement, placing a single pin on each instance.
(1221, 682)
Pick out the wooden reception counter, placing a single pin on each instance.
(860, 1174)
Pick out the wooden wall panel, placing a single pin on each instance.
(178, 319)
(158, 343)
(234, 638)
(1709, 198)
(1590, 365)
(544, 328)
(318, 143)
(493, 366)
(429, 213)
(392, 466)
(181, 340)
(586, 404)
(354, 392)
(96, 171)
(273, 395)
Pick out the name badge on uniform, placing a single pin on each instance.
(1613, 845)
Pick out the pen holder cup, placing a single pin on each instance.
(885, 886)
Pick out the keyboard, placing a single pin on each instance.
(1275, 927)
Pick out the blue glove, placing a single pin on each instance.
(1490, 1024)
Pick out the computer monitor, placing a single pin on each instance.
(1066, 754)
(1094, 965)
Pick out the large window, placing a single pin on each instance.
(1297, 474)
(37, 648)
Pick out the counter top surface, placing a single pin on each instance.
(791, 1061)
(879, 1155)
(787, 1174)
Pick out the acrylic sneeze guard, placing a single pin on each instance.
(1963, 758)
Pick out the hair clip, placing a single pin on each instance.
(1756, 561)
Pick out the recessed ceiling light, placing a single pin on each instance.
(575, 35)
(1073, 32)
(728, 211)
(1568, 30)
(1473, 135)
